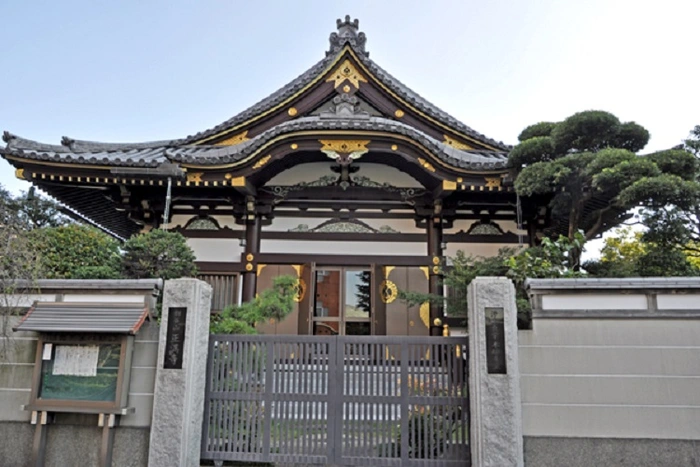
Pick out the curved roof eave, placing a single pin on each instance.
(221, 155)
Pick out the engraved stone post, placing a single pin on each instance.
(494, 382)
(178, 400)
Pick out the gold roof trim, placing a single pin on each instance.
(332, 66)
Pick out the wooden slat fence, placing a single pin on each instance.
(346, 400)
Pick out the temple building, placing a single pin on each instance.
(344, 178)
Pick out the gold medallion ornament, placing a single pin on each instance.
(249, 257)
(346, 71)
(248, 267)
(394, 147)
(300, 289)
(493, 182)
(346, 88)
(194, 177)
(294, 145)
(436, 260)
(388, 291)
(399, 113)
(292, 111)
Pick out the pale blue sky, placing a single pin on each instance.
(146, 70)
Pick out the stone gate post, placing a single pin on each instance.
(178, 400)
(494, 378)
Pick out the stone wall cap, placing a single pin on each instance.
(614, 283)
(43, 285)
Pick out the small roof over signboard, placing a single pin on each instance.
(112, 318)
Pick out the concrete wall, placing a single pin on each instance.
(610, 373)
(73, 439)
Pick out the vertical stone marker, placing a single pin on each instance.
(178, 401)
(494, 378)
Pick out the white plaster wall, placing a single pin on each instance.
(678, 302)
(105, 298)
(344, 248)
(594, 302)
(216, 249)
(284, 224)
(616, 378)
(227, 220)
(476, 249)
(313, 171)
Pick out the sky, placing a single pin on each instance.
(132, 71)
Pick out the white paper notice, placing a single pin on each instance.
(47, 352)
(76, 360)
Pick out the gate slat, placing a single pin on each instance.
(337, 399)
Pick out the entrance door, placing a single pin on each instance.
(342, 301)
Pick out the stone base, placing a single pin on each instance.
(72, 445)
(610, 452)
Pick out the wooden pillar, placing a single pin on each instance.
(253, 228)
(434, 228)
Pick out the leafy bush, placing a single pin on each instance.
(274, 303)
(76, 251)
(158, 254)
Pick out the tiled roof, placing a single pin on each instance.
(153, 154)
(119, 318)
(151, 157)
(348, 36)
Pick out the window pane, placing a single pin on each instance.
(327, 300)
(358, 300)
(358, 329)
(81, 372)
(326, 328)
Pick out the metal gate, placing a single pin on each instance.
(343, 400)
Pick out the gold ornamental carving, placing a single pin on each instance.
(426, 165)
(260, 268)
(394, 147)
(19, 173)
(346, 71)
(344, 145)
(387, 271)
(249, 267)
(426, 271)
(234, 140)
(292, 111)
(344, 151)
(194, 177)
(436, 260)
(300, 290)
(388, 291)
(294, 146)
(399, 113)
(249, 257)
(262, 161)
(346, 88)
(493, 182)
(456, 144)
(425, 313)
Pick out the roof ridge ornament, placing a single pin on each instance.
(348, 33)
